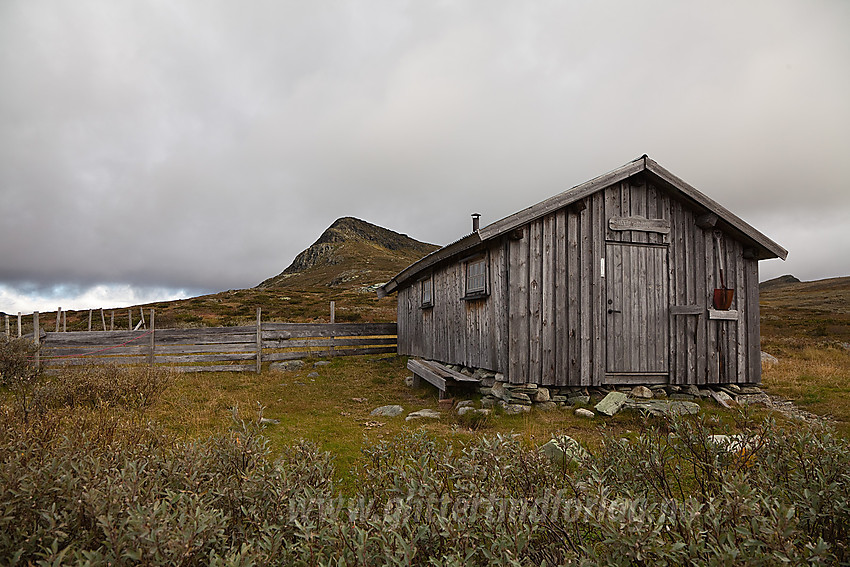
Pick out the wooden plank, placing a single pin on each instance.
(548, 324)
(215, 368)
(617, 379)
(500, 308)
(597, 287)
(701, 298)
(144, 349)
(446, 372)
(653, 213)
(327, 330)
(573, 337)
(586, 295)
(752, 322)
(612, 210)
(561, 324)
(294, 355)
(639, 224)
(686, 310)
(535, 301)
(326, 343)
(638, 206)
(519, 345)
(259, 345)
(427, 374)
(727, 315)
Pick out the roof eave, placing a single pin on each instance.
(773, 249)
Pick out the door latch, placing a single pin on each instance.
(614, 311)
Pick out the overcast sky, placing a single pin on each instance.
(151, 150)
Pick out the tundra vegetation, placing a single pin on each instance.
(106, 466)
(127, 466)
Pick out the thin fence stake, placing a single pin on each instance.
(259, 340)
(130, 319)
(102, 318)
(58, 317)
(20, 332)
(333, 312)
(90, 319)
(35, 335)
(112, 320)
(8, 329)
(64, 321)
(142, 312)
(153, 328)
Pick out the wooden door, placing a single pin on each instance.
(636, 310)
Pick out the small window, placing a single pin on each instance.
(476, 277)
(427, 292)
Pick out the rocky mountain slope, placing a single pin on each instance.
(351, 253)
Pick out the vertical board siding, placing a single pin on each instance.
(545, 319)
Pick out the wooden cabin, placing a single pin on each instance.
(610, 282)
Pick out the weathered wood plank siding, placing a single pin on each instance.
(546, 317)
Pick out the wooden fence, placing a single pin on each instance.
(210, 349)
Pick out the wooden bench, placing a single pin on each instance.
(439, 375)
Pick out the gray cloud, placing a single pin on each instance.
(202, 145)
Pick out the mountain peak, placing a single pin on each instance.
(349, 253)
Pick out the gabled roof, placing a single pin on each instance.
(765, 247)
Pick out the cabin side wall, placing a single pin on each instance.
(546, 321)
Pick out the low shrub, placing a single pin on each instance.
(101, 486)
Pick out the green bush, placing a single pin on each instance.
(91, 483)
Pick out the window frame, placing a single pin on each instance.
(483, 292)
(429, 280)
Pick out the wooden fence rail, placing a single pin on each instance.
(210, 349)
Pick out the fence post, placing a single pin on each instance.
(20, 332)
(153, 329)
(90, 310)
(112, 320)
(142, 313)
(58, 317)
(8, 329)
(333, 312)
(64, 321)
(259, 340)
(35, 336)
(130, 319)
(103, 318)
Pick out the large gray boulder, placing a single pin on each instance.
(612, 403)
(387, 411)
(423, 414)
(563, 449)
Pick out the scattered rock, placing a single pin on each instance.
(557, 398)
(583, 412)
(733, 387)
(541, 395)
(269, 421)
(681, 396)
(692, 390)
(359, 400)
(486, 391)
(488, 403)
(723, 398)
(488, 382)
(463, 410)
(768, 360)
(515, 409)
(547, 406)
(564, 449)
(321, 363)
(660, 394)
(410, 381)
(372, 424)
(578, 400)
(750, 390)
(423, 413)
(641, 392)
(287, 365)
(660, 408)
(520, 398)
(611, 404)
(313, 375)
(500, 391)
(499, 377)
(387, 411)
(465, 404)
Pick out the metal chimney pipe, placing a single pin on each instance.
(475, 217)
